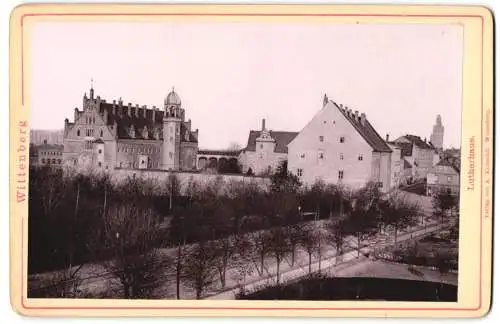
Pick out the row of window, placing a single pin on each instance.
(300, 173)
(51, 161)
(135, 165)
(50, 153)
(322, 139)
(89, 132)
(140, 149)
(321, 155)
(90, 120)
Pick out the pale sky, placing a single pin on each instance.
(231, 75)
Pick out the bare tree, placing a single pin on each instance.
(399, 212)
(172, 189)
(225, 245)
(336, 233)
(295, 234)
(131, 231)
(234, 146)
(199, 268)
(242, 259)
(278, 247)
(259, 240)
(443, 203)
(362, 224)
(310, 242)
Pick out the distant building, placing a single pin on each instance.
(47, 154)
(419, 153)
(340, 146)
(113, 135)
(265, 150)
(437, 135)
(397, 165)
(218, 161)
(443, 176)
(40, 136)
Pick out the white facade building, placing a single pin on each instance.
(340, 146)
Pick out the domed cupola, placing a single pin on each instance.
(172, 99)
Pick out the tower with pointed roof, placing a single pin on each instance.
(437, 134)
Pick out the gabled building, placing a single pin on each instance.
(340, 146)
(443, 176)
(113, 135)
(419, 153)
(46, 154)
(265, 150)
(397, 165)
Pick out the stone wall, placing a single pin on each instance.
(159, 177)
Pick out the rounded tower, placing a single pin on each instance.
(172, 131)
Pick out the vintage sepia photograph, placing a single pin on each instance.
(244, 160)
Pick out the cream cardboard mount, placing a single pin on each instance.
(251, 160)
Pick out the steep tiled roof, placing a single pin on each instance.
(124, 122)
(366, 130)
(50, 147)
(445, 162)
(406, 148)
(281, 139)
(419, 142)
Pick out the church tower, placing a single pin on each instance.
(172, 131)
(438, 134)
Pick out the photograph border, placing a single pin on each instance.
(19, 101)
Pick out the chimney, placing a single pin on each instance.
(387, 137)
(263, 124)
(145, 111)
(363, 119)
(129, 110)
(356, 113)
(153, 115)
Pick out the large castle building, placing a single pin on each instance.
(107, 135)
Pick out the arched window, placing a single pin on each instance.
(43, 161)
(101, 132)
(77, 132)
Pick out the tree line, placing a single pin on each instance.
(212, 227)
